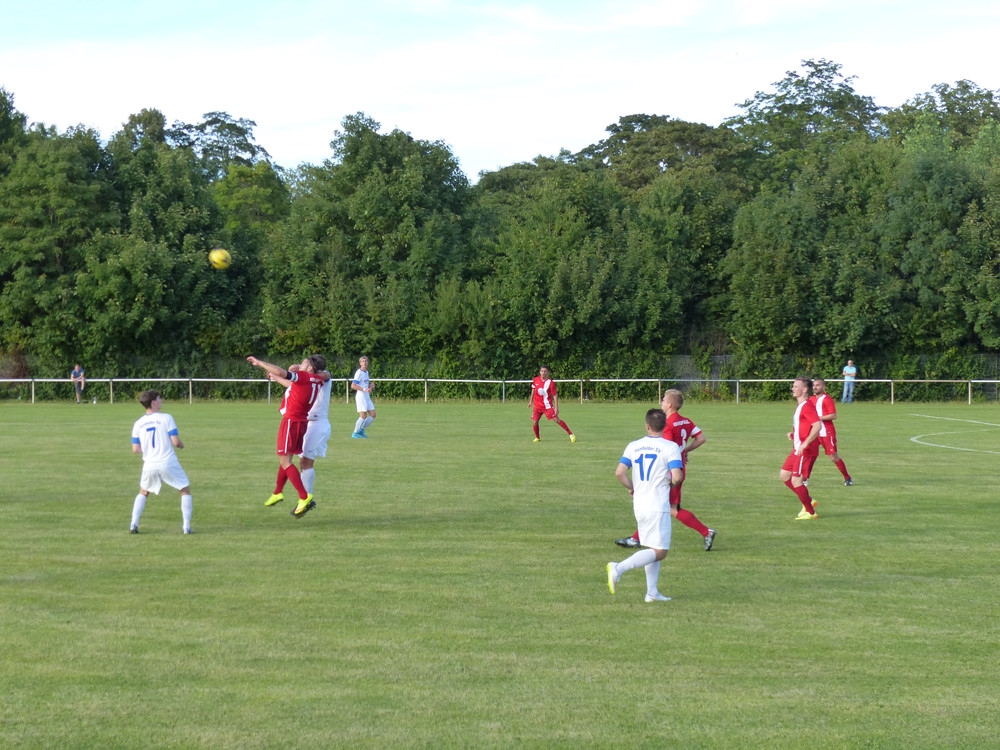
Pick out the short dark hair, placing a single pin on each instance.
(656, 419)
(146, 398)
(807, 382)
(318, 362)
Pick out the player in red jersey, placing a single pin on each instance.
(805, 448)
(826, 408)
(306, 383)
(688, 436)
(544, 399)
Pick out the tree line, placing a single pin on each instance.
(812, 227)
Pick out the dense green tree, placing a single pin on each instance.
(857, 288)
(382, 222)
(640, 148)
(13, 126)
(812, 227)
(805, 119)
(163, 192)
(688, 215)
(148, 306)
(53, 201)
(960, 110)
(219, 142)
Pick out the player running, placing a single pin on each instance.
(688, 436)
(826, 408)
(805, 448)
(648, 468)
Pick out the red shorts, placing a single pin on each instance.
(829, 443)
(537, 414)
(291, 433)
(800, 466)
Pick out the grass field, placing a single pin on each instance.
(449, 589)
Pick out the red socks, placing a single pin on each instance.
(280, 481)
(292, 472)
(803, 494)
(687, 518)
(843, 468)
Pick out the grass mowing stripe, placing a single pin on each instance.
(449, 587)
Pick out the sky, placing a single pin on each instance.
(497, 82)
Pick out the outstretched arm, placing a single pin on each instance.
(268, 367)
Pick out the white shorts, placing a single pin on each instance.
(154, 477)
(314, 442)
(654, 529)
(364, 401)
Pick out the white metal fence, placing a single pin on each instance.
(737, 390)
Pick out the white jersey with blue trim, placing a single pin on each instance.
(152, 432)
(320, 409)
(361, 378)
(651, 459)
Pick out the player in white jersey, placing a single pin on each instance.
(648, 469)
(155, 436)
(362, 387)
(318, 431)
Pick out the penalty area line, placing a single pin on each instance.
(919, 439)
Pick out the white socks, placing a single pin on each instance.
(359, 425)
(308, 479)
(644, 558)
(187, 506)
(137, 508)
(368, 421)
(652, 576)
(640, 559)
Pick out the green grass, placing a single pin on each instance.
(449, 589)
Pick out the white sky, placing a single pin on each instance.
(499, 83)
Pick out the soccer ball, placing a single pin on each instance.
(220, 258)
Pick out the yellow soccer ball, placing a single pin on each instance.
(220, 259)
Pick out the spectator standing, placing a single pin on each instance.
(79, 381)
(849, 373)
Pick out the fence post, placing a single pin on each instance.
(190, 391)
(32, 390)
(425, 390)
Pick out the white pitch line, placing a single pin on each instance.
(952, 419)
(918, 438)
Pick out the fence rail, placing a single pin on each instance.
(741, 389)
